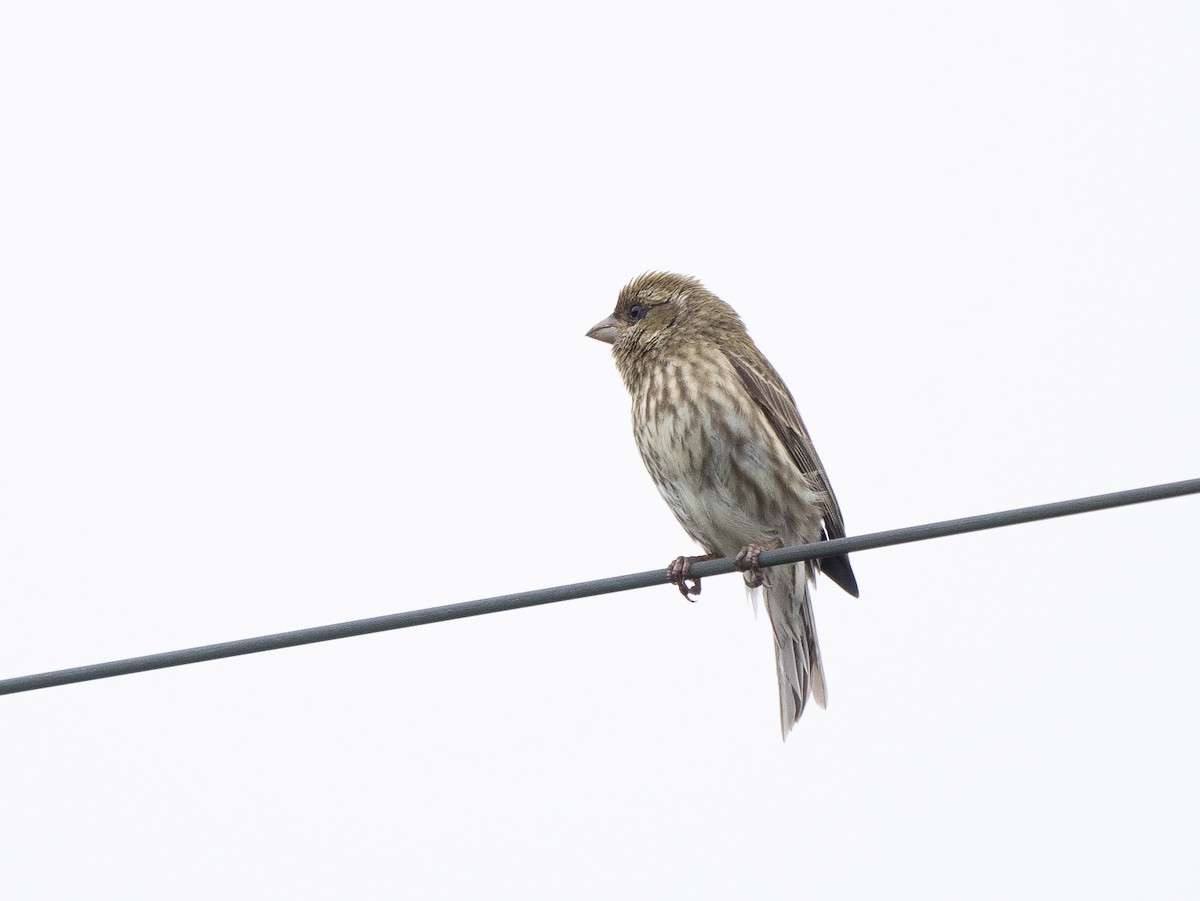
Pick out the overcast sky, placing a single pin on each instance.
(294, 300)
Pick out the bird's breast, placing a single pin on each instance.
(716, 460)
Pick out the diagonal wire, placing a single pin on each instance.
(590, 589)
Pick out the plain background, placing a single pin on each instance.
(294, 300)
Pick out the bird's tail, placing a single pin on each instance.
(797, 654)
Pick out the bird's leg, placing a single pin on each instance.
(680, 572)
(747, 560)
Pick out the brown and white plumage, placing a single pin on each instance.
(722, 438)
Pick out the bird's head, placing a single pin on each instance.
(661, 312)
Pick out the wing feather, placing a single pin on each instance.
(768, 391)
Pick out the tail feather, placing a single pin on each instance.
(797, 654)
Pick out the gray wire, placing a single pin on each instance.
(590, 589)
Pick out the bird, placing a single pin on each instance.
(721, 436)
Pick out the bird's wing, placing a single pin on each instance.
(768, 391)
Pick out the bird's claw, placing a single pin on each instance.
(747, 561)
(680, 573)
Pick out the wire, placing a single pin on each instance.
(590, 589)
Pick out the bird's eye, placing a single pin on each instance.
(638, 311)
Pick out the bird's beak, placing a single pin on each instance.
(605, 330)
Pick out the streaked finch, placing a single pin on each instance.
(720, 434)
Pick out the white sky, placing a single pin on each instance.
(294, 300)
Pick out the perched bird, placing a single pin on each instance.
(720, 434)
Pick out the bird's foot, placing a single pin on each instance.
(680, 573)
(747, 561)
